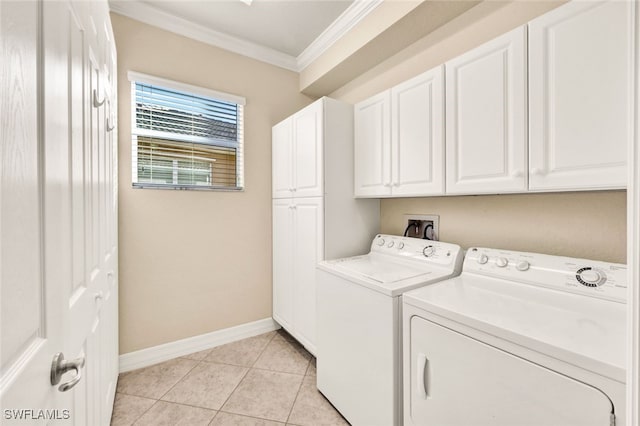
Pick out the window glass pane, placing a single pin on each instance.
(176, 112)
(180, 163)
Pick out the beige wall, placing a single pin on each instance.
(192, 262)
(588, 224)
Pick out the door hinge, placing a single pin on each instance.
(612, 419)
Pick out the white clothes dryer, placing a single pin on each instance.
(517, 339)
(359, 323)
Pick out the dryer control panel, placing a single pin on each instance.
(588, 277)
(428, 251)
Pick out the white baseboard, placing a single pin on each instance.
(149, 356)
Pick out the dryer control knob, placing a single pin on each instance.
(522, 265)
(483, 259)
(390, 244)
(428, 251)
(400, 245)
(380, 242)
(590, 277)
(501, 262)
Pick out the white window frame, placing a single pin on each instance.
(196, 90)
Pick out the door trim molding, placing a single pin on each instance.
(155, 354)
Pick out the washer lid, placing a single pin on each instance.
(386, 274)
(379, 270)
(580, 330)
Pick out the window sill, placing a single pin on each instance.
(187, 187)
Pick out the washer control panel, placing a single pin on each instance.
(588, 277)
(435, 252)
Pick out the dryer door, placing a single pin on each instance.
(456, 380)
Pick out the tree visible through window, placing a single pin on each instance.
(185, 140)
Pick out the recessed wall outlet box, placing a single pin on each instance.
(426, 226)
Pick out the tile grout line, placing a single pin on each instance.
(295, 399)
(244, 375)
(180, 379)
(156, 401)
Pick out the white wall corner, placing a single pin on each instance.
(149, 356)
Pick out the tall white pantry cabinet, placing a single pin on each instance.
(315, 214)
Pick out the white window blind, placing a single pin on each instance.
(183, 139)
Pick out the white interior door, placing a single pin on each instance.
(581, 79)
(372, 146)
(63, 165)
(417, 135)
(31, 303)
(495, 388)
(486, 117)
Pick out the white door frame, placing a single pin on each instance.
(633, 250)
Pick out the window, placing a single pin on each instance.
(185, 137)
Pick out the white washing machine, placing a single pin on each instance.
(517, 339)
(359, 323)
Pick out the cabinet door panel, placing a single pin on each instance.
(282, 262)
(282, 159)
(307, 151)
(417, 135)
(372, 146)
(308, 251)
(499, 389)
(486, 117)
(581, 95)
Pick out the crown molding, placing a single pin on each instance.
(344, 23)
(150, 15)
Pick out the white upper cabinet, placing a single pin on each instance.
(399, 139)
(417, 135)
(372, 147)
(581, 74)
(282, 159)
(486, 120)
(307, 151)
(297, 154)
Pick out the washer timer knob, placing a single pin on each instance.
(482, 259)
(428, 251)
(523, 265)
(380, 242)
(501, 262)
(590, 277)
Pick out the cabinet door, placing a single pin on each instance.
(282, 159)
(486, 98)
(283, 233)
(308, 251)
(498, 389)
(307, 151)
(372, 146)
(417, 135)
(581, 74)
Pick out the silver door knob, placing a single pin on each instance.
(59, 366)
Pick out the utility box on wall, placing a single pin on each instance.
(422, 226)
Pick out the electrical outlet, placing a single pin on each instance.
(422, 226)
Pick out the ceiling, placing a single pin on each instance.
(287, 33)
(287, 26)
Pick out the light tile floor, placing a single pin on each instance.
(266, 380)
